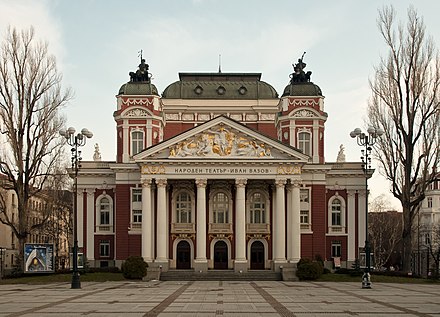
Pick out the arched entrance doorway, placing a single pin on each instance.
(257, 256)
(220, 255)
(183, 254)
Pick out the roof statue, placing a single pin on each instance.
(341, 154)
(299, 76)
(96, 154)
(142, 74)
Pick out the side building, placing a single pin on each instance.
(219, 172)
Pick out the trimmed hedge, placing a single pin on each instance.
(134, 267)
(309, 270)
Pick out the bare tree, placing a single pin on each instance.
(30, 100)
(405, 104)
(384, 229)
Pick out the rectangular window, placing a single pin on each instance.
(137, 142)
(304, 142)
(304, 217)
(336, 218)
(137, 216)
(336, 249)
(136, 195)
(429, 202)
(104, 248)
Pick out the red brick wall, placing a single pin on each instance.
(268, 129)
(122, 219)
(175, 128)
(319, 220)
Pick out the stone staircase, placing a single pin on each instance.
(220, 275)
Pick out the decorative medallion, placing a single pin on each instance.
(198, 90)
(221, 90)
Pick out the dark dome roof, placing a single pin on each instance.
(302, 89)
(220, 86)
(138, 88)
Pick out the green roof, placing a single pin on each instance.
(220, 86)
(138, 88)
(302, 89)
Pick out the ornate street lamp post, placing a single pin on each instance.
(75, 141)
(366, 141)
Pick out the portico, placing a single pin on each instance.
(221, 204)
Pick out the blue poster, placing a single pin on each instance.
(38, 258)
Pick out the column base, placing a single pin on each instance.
(240, 266)
(277, 265)
(200, 266)
(161, 264)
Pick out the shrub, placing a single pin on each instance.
(309, 270)
(134, 267)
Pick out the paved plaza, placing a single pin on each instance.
(220, 298)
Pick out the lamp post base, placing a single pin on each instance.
(76, 282)
(366, 282)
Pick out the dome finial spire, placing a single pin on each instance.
(219, 63)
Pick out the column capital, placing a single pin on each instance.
(280, 182)
(351, 192)
(89, 192)
(295, 182)
(146, 182)
(201, 182)
(241, 182)
(161, 182)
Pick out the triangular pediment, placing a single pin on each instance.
(221, 139)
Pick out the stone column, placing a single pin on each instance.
(90, 240)
(126, 143)
(201, 263)
(279, 231)
(162, 239)
(240, 263)
(295, 220)
(80, 215)
(147, 222)
(351, 224)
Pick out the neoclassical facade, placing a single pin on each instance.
(220, 172)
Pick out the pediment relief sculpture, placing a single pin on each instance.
(220, 142)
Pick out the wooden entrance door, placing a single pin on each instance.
(220, 255)
(257, 256)
(183, 255)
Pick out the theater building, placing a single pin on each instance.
(220, 172)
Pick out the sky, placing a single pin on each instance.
(96, 44)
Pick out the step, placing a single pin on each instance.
(219, 275)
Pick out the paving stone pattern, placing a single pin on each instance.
(220, 298)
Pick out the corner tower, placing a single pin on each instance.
(301, 116)
(139, 117)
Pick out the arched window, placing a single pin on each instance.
(137, 142)
(304, 142)
(336, 212)
(221, 208)
(257, 208)
(104, 211)
(183, 208)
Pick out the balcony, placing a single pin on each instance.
(336, 229)
(136, 226)
(220, 228)
(256, 228)
(104, 228)
(306, 227)
(183, 228)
